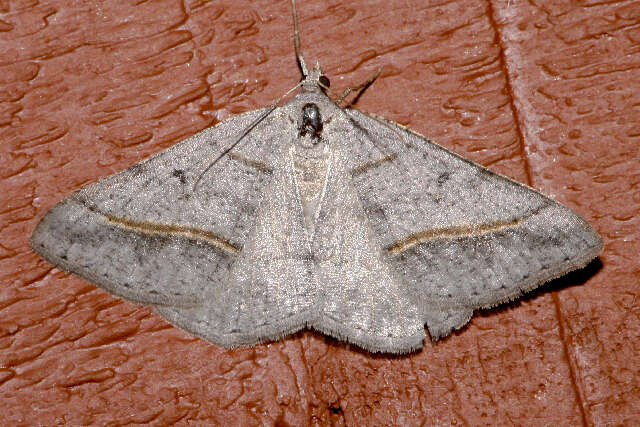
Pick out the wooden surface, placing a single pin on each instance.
(547, 93)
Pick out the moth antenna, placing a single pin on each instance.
(243, 134)
(296, 41)
(361, 88)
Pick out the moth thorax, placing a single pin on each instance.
(311, 121)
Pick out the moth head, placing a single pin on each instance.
(315, 81)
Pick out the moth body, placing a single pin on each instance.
(307, 214)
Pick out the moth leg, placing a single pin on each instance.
(360, 88)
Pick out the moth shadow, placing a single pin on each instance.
(569, 280)
(572, 279)
(575, 278)
(337, 344)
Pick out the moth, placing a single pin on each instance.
(310, 215)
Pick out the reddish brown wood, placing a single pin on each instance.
(545, 92)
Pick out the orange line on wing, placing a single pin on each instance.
(154, 228)
(450, 233)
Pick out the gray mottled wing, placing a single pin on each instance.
(145, 235)
(461, 237)
(272, 290)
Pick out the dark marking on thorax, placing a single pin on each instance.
(311, 121)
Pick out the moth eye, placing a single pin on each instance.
(324, 81)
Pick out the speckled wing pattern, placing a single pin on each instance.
(461, 237)
(365, 231)
(144, 235)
